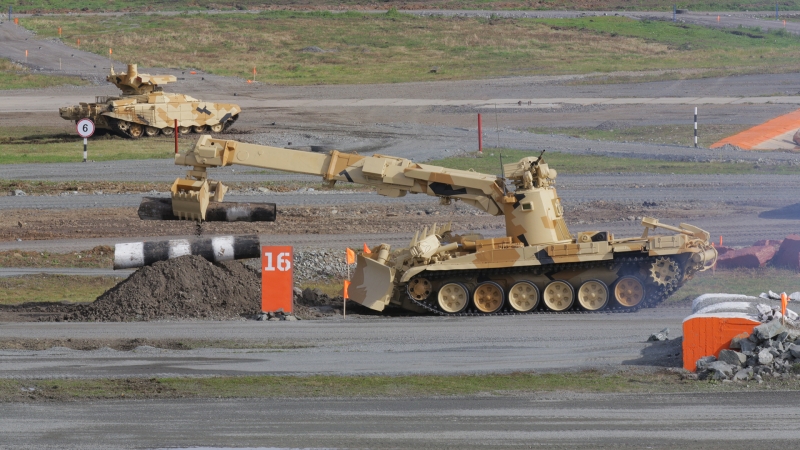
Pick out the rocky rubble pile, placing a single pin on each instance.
(771, 351)
(785, 253)
(313, 265)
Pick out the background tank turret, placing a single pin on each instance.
(144, 109)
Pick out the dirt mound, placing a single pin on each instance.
(188, 287)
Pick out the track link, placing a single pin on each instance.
(654, 294)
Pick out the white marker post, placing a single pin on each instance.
(85, 130)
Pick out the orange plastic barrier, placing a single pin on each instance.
(750, 138)
(707, 334)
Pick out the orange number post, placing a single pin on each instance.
(277, 279)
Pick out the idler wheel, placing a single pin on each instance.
(151, 131)
(488, 297)
(184, 130)
(558, 296)
(135, 130)
(419, 288)
(453, 298)
(593, 295)
(523, 296)
(629, 291)
(199, 129)
(217, 127)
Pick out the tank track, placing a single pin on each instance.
(126, 133)
(653, 297)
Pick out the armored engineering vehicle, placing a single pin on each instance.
(144, 109)
(539, 266)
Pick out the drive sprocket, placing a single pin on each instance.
(664, 271)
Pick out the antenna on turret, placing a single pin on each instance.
(502, 175)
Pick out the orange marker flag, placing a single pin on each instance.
(351, 256)
(784, 303)
(366, 249)
(346, 287)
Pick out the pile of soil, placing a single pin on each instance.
(188, 287)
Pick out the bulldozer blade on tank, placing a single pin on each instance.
(372, 284)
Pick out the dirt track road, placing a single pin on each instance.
(416, 345)
(738, 421)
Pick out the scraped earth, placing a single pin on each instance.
(184, 288)
(30, 224)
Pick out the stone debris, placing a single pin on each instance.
(276, 316)
(770, 351)
(18, 193)
(662, 335)
(749, 257)
(315, 265)
(788, 254)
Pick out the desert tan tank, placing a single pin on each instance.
(144, 109)
(539, 266)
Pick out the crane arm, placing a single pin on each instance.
(391, 176)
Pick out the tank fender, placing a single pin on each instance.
(410, 273)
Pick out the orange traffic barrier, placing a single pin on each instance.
(708, 334)
(750, 138)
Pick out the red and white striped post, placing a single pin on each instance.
(480, 136)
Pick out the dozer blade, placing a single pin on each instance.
(190, 199)
(372, 284)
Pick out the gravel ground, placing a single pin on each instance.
(735, 421)
(377, 345)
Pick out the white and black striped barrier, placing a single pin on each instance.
(220, 248)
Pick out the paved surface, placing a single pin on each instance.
(413, 345)
(763, 420)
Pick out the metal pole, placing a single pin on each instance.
(10, 9)
(480, 135)
(674, 12)
(85, 142)
(695, 127)
(176, 136)
(776, 10)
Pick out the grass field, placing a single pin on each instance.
(13, 76)
(325, 48)
(738, 281)
(53, 288)
(600, 5)
(98, 257)
(62, 144)
(656, 134)
(581, 164)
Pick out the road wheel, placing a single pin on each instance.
(123, 126)
(151, 131)
(184, 130)
(453, 298)
(217, 128)
(199, 129)
(629, 291)
(523, 296)
(135, 131)
(593, 295)
(419, 288)
(558, 296)
(488, 297)
(168, 131)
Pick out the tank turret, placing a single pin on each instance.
(144, 109)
